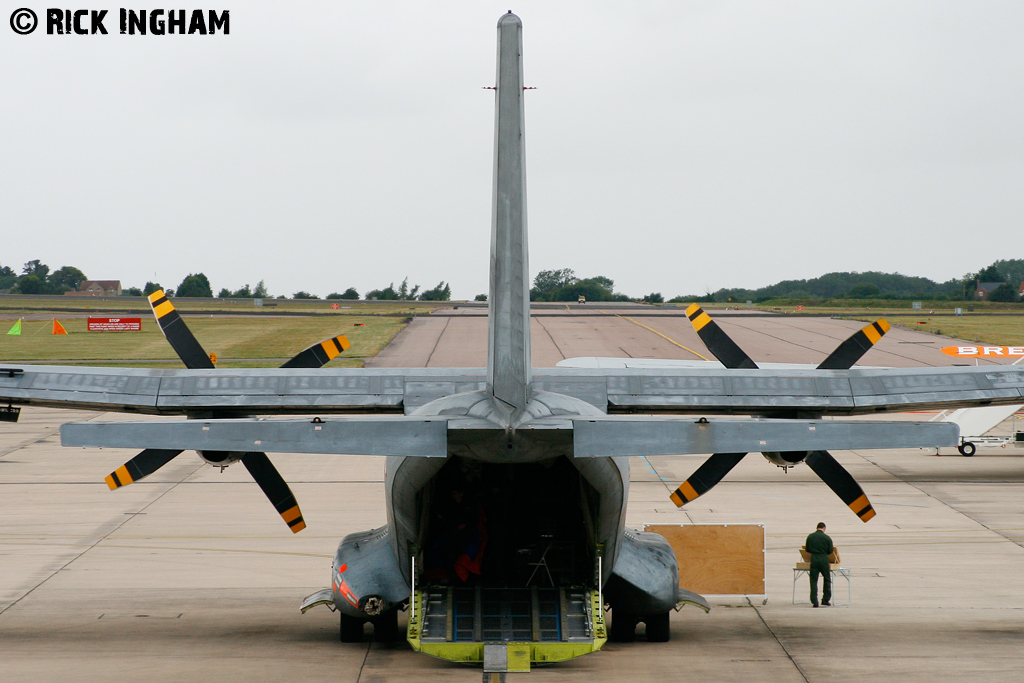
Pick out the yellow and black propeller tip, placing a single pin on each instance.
(718, 342)
(141, 466)
(706, 476)
(181, 339)
(841, 482)
(853, 349)
(275, 488)
(320, 354)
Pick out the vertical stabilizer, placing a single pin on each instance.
(508, 361)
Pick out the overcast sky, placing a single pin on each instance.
(675, 146)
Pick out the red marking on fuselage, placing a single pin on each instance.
(340, 586)
(349, 595)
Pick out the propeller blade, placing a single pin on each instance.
(840, 481)
(706, 476)
(318, 355)
(854, 348)
(718, 342)
(177, 333)
(270, 480)
(142, 465)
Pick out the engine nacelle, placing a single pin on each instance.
(786, 459)
(220, 458)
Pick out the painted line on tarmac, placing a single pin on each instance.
(669, 339)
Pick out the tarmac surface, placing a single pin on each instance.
(191, 575)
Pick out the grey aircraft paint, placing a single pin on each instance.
(506, 414)
(508, 360)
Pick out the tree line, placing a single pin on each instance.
(564, 285)
(198, 285)
(36, 278)
(876, 285)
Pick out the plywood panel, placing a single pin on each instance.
(717, 559)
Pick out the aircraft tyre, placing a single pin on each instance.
(658, 628)
(351, 629)
(967, 449)
(385, 627)
(623, 628)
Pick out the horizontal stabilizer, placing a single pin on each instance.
(660, 436)
(422, 437)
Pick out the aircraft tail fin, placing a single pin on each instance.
(508, 360)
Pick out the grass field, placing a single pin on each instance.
(257, 338)
(880, 307)
(238, 341)
(998, 330)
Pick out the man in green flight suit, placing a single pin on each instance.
(819, 546)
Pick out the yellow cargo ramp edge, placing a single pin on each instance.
(539, 652)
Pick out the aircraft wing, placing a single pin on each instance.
(277, 391)
(263, 391)
(858, 391)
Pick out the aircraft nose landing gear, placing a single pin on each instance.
(623, 629)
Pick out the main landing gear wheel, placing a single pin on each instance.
(351, 629)
(623, 628)
(658, 628)
(967, 449)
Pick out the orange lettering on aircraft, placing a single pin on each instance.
(984, 351)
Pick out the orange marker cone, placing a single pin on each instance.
(58, 328)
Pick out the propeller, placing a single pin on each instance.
(319, 355)
(195, 357)
(141, 466)
(275, 488)
(706, 476)
(177, 333)
(718, 342)
(854, 348)
(841, 482)
(822, 463)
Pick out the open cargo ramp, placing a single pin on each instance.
(534, 624)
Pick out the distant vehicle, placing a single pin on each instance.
(583, 299)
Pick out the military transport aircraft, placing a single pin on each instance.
(506, 486)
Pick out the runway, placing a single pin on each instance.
(458, 338)
(191, 575)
